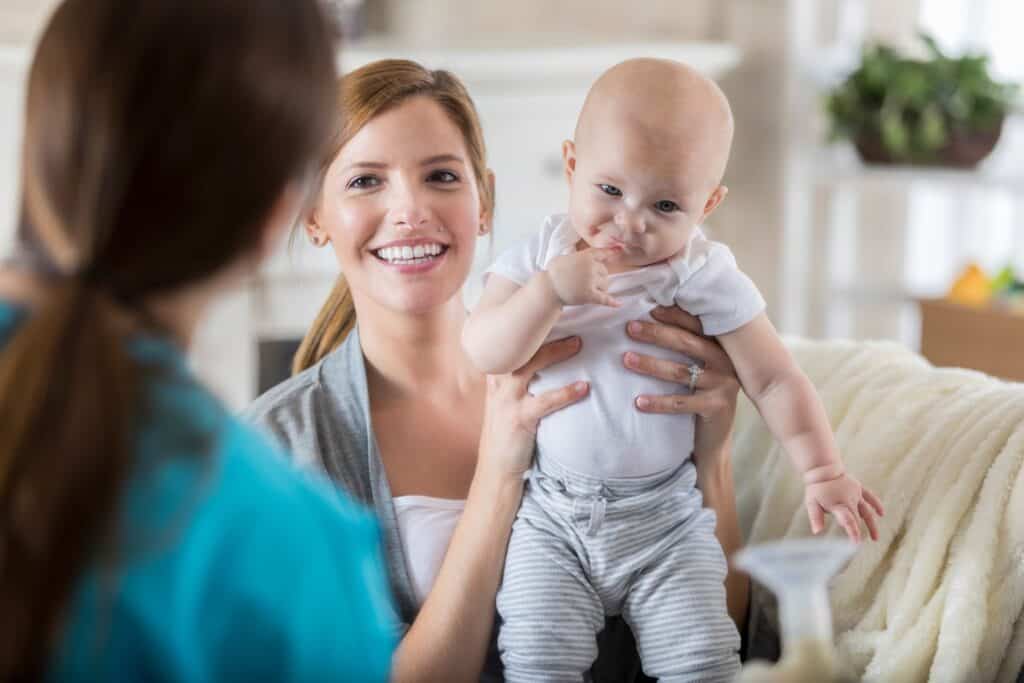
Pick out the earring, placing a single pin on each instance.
(316, 241)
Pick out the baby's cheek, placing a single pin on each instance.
(595, 219)
(582, 219)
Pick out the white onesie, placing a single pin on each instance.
(605, 435)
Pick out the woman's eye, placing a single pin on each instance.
(610, 190)
(442, 177)
(666, 206)
(363, 182)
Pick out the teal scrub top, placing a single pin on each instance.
(229, 564)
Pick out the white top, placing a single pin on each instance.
(605, 435)
(425, 526)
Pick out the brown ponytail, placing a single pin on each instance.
(158, 137)
(335, 320)
(366, 93)
(67, 387)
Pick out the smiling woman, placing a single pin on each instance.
(360, 182)
(375, 197)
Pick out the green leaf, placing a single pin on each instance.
(895, 135)
(932, 46)
(932, 133)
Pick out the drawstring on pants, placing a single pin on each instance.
(598, 502)
(598, 505)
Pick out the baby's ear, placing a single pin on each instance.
(714, 201)
(569, 157)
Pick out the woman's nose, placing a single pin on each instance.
(409, 210)
(410, 217)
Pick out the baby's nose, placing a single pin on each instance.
(630, 222)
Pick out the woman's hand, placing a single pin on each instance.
(511, 413)
(714, 404)
(717, 388)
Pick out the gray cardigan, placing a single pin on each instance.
(322, 417)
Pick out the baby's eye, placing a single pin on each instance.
(363, 182)
(610, 190)
(666, 206)
(442, 177)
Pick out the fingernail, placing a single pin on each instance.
(643, 402)
(631, 359)
(580, 387)
(634, 327)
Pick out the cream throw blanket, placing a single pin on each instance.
(939, 597)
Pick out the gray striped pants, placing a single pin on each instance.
(583, 548)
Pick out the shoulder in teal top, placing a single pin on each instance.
(232, 565)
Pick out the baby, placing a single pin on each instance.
(611, 520)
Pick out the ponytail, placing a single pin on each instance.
(333, 323)
(68, 395)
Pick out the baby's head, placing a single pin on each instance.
(646, 165)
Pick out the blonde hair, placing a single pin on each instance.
(367, 93)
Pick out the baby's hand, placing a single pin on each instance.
(848, 501)
(582, 277)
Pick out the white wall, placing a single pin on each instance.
(21, 21)
(13, 65)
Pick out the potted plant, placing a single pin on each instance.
(940, 110)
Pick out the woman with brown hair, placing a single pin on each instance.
(393, 410)
(145, 533)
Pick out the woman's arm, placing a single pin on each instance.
(714, 478)
(714, 404)
(449, 639)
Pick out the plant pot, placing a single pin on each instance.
(965, 149)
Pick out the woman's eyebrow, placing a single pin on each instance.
(438, 158)
(364, 164)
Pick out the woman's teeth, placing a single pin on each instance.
(421, 253)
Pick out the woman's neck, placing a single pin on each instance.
(179, 314)
(412, 354)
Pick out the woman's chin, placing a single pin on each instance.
(418, 291)
(423, 298)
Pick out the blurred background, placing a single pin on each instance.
(839, 247)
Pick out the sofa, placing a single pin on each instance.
(939, 596)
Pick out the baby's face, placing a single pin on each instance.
(639, 189)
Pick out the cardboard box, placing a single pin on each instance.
(987, 339)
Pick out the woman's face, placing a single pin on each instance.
(401, 206)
